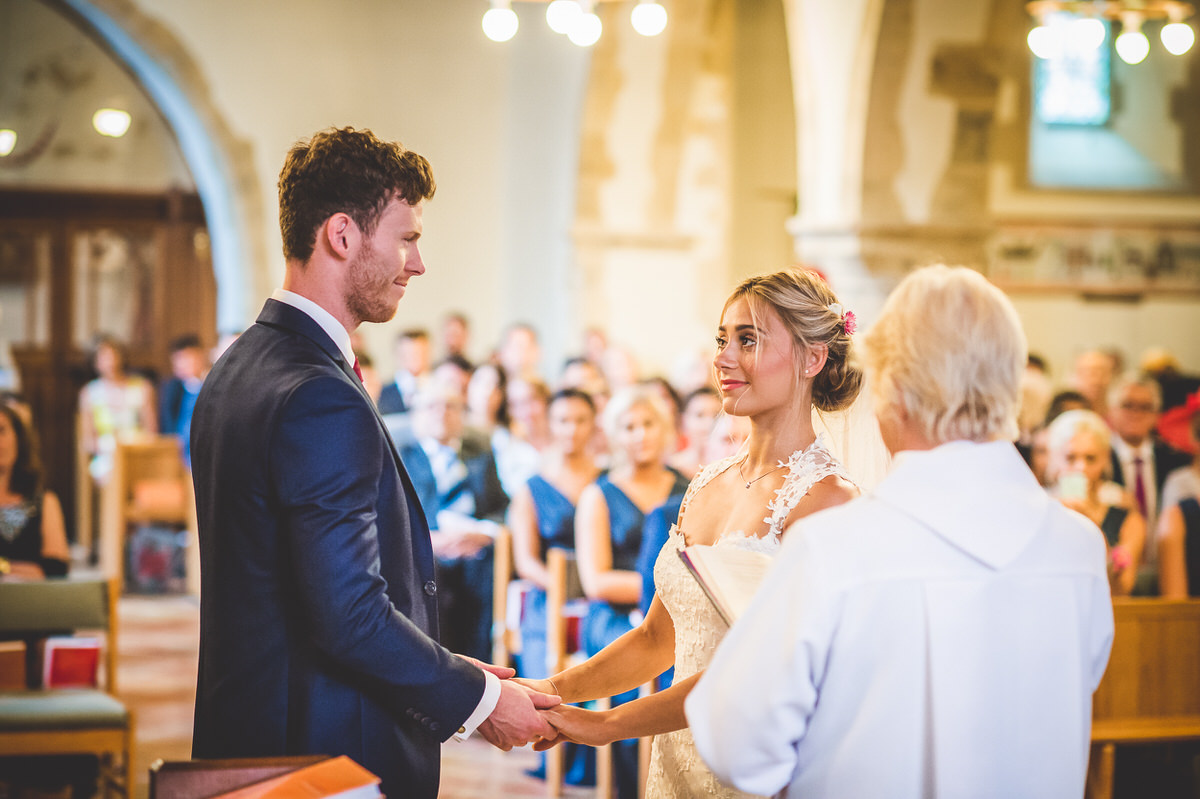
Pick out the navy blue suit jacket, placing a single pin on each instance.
(318, 605)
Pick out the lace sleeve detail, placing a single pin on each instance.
(702, 479)
(806, 468)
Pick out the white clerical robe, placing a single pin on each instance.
(939, 637)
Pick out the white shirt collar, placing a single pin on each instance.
(332, 327)
(1126, 453)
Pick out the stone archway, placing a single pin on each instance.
(221, 165)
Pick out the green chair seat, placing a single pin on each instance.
(66, 708)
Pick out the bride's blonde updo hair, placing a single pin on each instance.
(808, 309)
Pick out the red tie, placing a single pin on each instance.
(1139, 487)
(357, 371)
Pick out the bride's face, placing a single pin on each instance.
(756, 361)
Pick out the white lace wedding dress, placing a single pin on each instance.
(676, 769)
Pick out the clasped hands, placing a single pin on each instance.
(531, 711)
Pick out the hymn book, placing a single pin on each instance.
(728, 576)
(335, 778)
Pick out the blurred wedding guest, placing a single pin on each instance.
(903, 645)
(413, 362)
(456, 335)
(114, 406)
(1140, 461)
(586, 376)
(608, 531)
(595, 343)
(33, 536)
(1164, 367)
(177, 394)
(1091, 375)
(1064, 401)
(1036, 395)
(1179, 536)
(453, 372)
(700, 412)
(1184, 482)
(454, 473)
(692, 370)
(1079, 468)
(728, 435)
(527, 398)
(543, 514)
(620, 368)
(520, 352)
(488, 413)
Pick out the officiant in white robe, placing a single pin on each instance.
(943, 634)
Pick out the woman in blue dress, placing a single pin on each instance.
(608, 531)
(542, 515)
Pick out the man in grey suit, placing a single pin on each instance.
(319, 602)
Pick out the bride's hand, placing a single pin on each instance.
(541, 686)
(576, 724)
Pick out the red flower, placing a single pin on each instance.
(851, 323)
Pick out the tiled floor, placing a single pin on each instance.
(156, 675)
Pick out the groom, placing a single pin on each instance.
(319, 606)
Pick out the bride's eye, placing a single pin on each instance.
(747, 342)
(721, 342)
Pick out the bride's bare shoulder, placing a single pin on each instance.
(828, 492)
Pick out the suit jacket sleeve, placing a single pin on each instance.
(327, 463)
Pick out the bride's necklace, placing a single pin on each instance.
(761, 476)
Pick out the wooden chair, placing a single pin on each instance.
(506, 638)
(564, 587)
(1151, 690)
(67, 721)
(149, 484)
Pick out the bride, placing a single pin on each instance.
(783, 348)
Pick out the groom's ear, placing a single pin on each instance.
(340, 236)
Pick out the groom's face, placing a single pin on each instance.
(379, 273)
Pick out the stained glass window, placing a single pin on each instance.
(1071, 86)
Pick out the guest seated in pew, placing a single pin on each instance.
(114, 406)
(454, 473)
(33, 538)
(543, 514)
(1079, 468)
(1179, 536)
(609, 528)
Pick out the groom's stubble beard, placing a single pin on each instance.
(368, 286)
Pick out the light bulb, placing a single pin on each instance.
(587, 30)
(1133, 47)
(500, 23)
(649, 18)
(1044, 42)
(1178, 38)
(1087, 33)
(562, 14)
(112, 122)
(8, 141)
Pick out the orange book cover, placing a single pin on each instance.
(338, 777)
(71, 662)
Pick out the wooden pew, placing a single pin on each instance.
(1151, 690)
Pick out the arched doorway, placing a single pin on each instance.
(129, 236)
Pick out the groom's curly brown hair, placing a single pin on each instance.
(343, 170)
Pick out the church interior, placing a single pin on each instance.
(611, 191)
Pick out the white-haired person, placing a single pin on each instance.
(941, 635)
(1078, 471)
(783, 348)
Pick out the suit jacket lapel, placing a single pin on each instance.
(281, 315)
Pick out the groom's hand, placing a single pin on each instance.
(516, 720)
(503, 672)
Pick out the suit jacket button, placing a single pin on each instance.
(431, 588)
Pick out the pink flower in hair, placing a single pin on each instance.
(851, 323)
